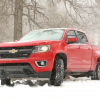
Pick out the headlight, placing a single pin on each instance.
(43, 48)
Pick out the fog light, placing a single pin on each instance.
(41, 63)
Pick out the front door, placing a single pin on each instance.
(73, 53)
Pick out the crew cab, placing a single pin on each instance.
(49, 54)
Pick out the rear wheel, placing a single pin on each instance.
(96, 73)
(58, 72)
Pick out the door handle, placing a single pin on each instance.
(79, 47)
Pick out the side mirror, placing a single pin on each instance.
(72, 39)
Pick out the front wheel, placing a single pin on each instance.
(57, 72)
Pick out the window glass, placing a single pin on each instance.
(55, 34)
(81, 38)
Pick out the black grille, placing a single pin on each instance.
(16, 68)
(22, 52)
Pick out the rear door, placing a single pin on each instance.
(85, 51)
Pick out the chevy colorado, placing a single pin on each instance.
(49, 54)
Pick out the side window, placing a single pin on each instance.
(71, 34)
(81, 38)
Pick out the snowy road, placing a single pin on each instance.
(71, 89)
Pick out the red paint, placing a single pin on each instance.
(79, 57)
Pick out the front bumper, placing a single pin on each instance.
(39, 75)
(26, 68)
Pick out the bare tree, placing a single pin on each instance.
(18, 19)
(33, 13)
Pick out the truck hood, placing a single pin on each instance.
(29, 43)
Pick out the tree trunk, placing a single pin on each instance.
(18, 19)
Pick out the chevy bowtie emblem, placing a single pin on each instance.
(13, 51)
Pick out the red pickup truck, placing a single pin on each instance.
(49, 54)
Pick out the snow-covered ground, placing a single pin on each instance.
(71, 89)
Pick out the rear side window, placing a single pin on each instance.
(81, 37)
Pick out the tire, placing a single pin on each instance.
(5, 82)
(8, 82)
(57, 72)
(96, 73)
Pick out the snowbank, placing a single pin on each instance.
(71, 89)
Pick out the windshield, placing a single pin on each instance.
(43, 35)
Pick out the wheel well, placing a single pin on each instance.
(98, 60)
(64, 57)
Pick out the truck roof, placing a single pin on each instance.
(60, 28)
